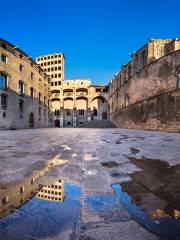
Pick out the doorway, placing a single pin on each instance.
(57, 123)
(31, 120)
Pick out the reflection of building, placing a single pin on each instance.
(74, 102)
(53, 192)
(12, 196)
(24, 90)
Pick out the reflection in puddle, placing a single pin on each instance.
(152, 198)
(53, 192)
(110, 164)
(46, 215)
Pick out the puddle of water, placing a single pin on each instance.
(53, 212)
(107, 207)
(110, 164)
(152, 198)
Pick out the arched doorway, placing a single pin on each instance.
(31, 120)
(57, 123)
(104, 115)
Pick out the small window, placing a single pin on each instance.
(3, 45)
(4, 101)
(55, 62)
(52, 75)
(81, 112)
(52, 69)
(3, 81)
(59, 83)
(55, 68)
(39, 98)
(59, 75)
(48, 63)
(59, 61)
(32, 92)
(21, 105)
(68, 112)
(55, 83)
(52, 84)
(31, 75)
(22, 189)
(52, 62)
(55, 75)
(48, 57)
(20, 67)
(55, 56)
(5, 200)
(21, 88)
(59, 55)
(4, 58)
(59, 68)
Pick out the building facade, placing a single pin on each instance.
(145, 93)
(73, 102)
(24, 90)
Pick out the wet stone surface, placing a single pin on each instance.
(89, 184)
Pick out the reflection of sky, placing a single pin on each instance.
(41, 218)
(169, 228)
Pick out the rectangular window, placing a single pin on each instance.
(81, 112)
(21, 105)
(3, 58)
(3, 81)
(21, 88)
(32, 92)
(20, 67)
(68, 112)
(39, 98)
(52, 83)
(31, 75)
(59, 82)
(4, 101)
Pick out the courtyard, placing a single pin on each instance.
(118, 183)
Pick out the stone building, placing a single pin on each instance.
(145, 93)
(73, 102)
(24, 90)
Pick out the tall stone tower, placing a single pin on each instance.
(53, 65)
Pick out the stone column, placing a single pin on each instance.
(74, 117)
(61, 117)
(89, 114)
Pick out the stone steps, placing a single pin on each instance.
(98, 124)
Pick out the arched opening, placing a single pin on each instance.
(31, 120)
(57, 123)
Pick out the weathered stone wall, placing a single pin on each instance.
(32, 77)
(151, 98)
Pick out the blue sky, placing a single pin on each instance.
(96, 36)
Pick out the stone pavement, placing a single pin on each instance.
(93, 159)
